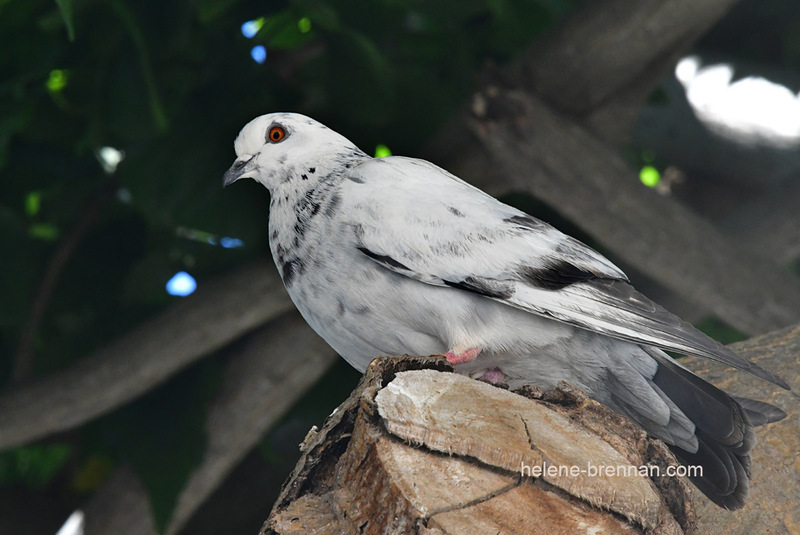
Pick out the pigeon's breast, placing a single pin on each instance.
(362, 310)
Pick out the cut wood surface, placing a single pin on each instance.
(431, 451)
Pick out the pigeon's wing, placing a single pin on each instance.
(421, 222)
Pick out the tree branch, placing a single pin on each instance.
(562, 164)
(266, 376)
(212, 317)
(120, 506)
(610, 46)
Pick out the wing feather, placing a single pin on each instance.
(455, 235)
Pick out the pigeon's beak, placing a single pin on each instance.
(240, 167)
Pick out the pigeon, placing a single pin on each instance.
(395, 256)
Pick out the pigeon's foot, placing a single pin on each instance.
(461, 356)
(494, 376)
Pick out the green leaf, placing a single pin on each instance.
(32, 466)
(321, 14)
(136, 32)
(57, 80)
(67, 13)
(44, 231)
(282, 31)
(92, 473)
(33, 203)
(210, 10)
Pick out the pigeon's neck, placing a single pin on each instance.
(300, 212)
(306, 175)
(300, 177)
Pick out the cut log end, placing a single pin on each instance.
(419, 449)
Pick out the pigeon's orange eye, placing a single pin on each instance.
(276, 134)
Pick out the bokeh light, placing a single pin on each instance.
(181, 284)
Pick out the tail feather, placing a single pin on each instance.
(725, 475)
(678, 430)
(760, 413)
(713, 411)
(724, 430)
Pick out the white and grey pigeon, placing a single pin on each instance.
(393, 256)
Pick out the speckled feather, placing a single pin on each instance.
(391, 256)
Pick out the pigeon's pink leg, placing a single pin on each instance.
(494, 376)
(456, 356)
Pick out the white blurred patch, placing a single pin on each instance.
(752, 110)
(109, 158)
(73, 525)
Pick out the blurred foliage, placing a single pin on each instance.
(170, 84)
(32, 465)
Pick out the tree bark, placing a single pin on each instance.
(600, 65)
(775, 487)
(431, 451)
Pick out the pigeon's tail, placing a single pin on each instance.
(724, 427)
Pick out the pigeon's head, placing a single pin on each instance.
(279, 147)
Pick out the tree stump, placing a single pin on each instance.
(418, 448)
